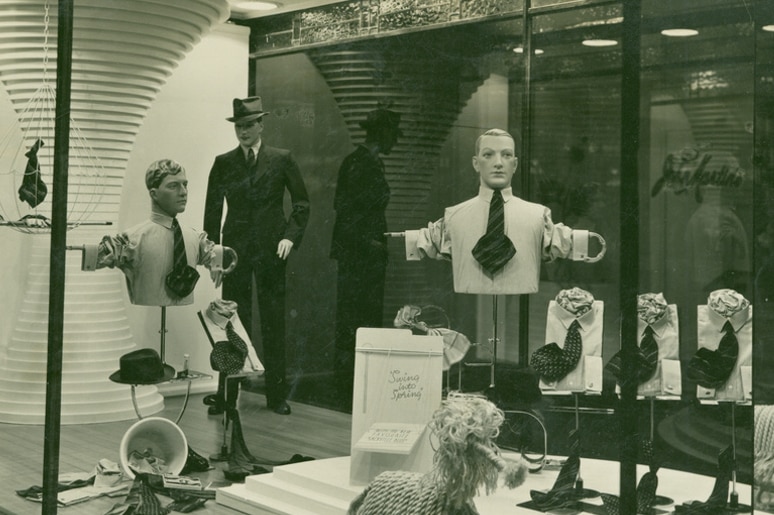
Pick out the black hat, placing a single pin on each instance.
(382, 119)
(142, 366)
(246, 109)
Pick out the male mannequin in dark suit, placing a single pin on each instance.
(358, 242)
(252, 179)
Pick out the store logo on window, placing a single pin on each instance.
(697, 166)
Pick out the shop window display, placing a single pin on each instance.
(699, 226)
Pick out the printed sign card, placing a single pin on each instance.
(390, 437)
(398, 380)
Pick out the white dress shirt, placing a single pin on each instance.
(587, 375)
(528, 225)
(710, 331)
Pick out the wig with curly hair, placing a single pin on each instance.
(466, 458)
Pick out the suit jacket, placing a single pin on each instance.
(255, 217)
(362, 195)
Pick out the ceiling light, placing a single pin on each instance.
(768, 28)
(599, 42)
(679, 33)
(256, 6)
(520, 50)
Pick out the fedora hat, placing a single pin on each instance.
(245, 109)
(382, 119)
(142, 366)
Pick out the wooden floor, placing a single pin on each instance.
(309, 430)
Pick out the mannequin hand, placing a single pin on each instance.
(283, 249)
(217, 276)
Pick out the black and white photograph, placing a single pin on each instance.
(387, 257)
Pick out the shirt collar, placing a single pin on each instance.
(567, 318)
(738, 319)
(255, 148)
(218, 319)
(659, 326)
(485, 193)
(162, 219)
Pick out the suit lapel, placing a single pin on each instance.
(261, 165)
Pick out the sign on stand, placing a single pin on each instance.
(398, 379)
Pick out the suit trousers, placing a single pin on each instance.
(269, 274)
(359, 303)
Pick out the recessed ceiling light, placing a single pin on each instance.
(520, 50)
(768, 28)
(599, 42)
(256, 6)
(679, 33)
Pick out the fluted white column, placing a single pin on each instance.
(123, 52)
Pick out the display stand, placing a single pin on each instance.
(491, 348)
(580, 490)
(733, 502)
(659, 500)
(184, 375)
(397, 388)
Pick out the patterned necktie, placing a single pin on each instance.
(648, 356)
(494, 249)
(553, 363)
(711, 369)
(647, 359)
(250, 157)
(646, 488)
(229, 357)
(179, 249)
(563, 492)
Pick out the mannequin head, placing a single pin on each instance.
(495, 160)
(167, 186)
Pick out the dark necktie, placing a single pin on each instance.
(711, 369)
(563, 492)
(229, 357)
(494, 249)
(250, 157)
(553, 363)
(647, 359)
(33, 190)
(179, 249)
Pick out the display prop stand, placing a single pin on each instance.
(581, 491)
(398, 384)
(185, 374)
(733, 499)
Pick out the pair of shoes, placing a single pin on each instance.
(212, 400)
(217, 409)
(281, 408)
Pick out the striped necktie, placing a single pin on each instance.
(180, 259)
(647, 359)
(494, 249)
(711, 369)
(563, 493)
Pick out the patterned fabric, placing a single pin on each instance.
(33, 190)
(575, 300)
(229, 356)
(647, 359)
(407, 493)
(651, 307)
(553, 363)
(494, 249)
(726, 302)
(563, 493)
(711, 368)
(141, 500)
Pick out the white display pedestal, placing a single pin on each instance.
(398, 381)
(322, 487)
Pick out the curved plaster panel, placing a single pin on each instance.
(123, 52)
